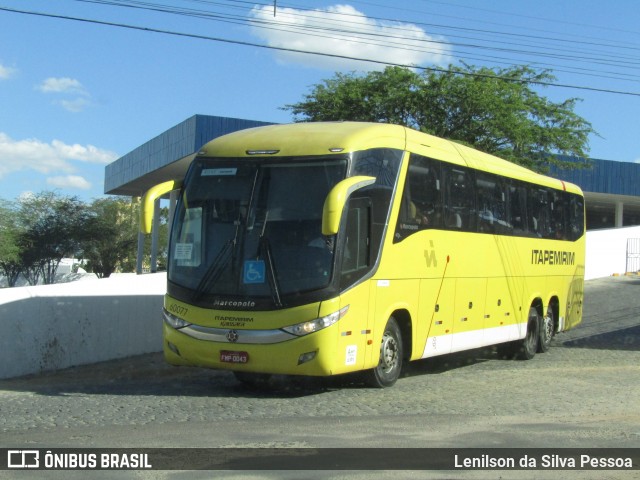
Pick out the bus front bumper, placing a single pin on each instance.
(286, 354)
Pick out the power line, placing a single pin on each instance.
(593, 40)
(333, 23)
(306, 52)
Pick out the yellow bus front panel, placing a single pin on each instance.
(277, 358)
(339, 348)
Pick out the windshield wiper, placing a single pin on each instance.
(215, 270)
(220, 262)
(271, 267)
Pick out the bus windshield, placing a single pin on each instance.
(252, 229)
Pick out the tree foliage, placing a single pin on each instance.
(10, 253)
(51, 228)
(37, 231)
(494, 110)
(112, 235)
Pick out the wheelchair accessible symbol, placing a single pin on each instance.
(254, 271)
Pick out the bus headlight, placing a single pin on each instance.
(311, 326)
(173, 321)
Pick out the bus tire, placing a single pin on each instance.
(528, 346)
(547, 330)
(506, 351)
(391, 354)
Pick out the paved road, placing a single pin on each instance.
(583, 393)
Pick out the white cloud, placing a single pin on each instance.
(343, 30)
(66, 87)
(87, 153)
(47, 158)
(6, 72)
(76, 105)
(62, 85)
(69, 182)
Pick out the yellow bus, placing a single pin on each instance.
(326, 248)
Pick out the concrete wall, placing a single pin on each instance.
(51, 327)
(607, 251)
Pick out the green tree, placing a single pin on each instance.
(10, 252)
(128, 263)
(491, 109)
(111, 236)
(51, 228)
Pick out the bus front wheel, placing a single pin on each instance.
(390, 364)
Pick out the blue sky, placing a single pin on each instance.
(75, 95)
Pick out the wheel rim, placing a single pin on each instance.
(531, 332)
(388, 353)
(547, 326)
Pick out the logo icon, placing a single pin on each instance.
(232, 336)
(254, 271)
(23, 458)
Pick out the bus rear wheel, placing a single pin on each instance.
(391, 354)
(547, 330)
(528, 346)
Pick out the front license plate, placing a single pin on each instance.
(228, 356)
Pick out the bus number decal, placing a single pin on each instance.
(218, 172)
(177, 309)
(352, 353)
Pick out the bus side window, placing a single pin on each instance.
(460, 211)
(559, 210)
(517, 208)
(421, 206)
(492, 204)
(538, 212)
(576, 217)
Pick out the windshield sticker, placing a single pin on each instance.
(254, 271)
(218, 172)
(184, 251)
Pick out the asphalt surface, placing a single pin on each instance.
(583, 393)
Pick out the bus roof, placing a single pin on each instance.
(326, 138)
(316, 138)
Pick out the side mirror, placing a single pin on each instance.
(336, 200)
(147, 206)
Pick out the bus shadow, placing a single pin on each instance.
(453, 361)
(624, 339)
(149, 375)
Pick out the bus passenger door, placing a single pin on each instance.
(352, 349)
(356, 262)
